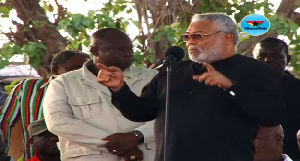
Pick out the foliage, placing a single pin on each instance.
(76, 28)
(7, 51)
(79, 27)
(173, 34)
(8, 88)
(34, 53)
(295, 50)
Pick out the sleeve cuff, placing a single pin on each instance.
(147, 130)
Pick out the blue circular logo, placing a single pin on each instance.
(255, 24)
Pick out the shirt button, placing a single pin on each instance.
(119, 114)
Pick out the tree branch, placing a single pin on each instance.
(61, 12)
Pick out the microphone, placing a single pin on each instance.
(173, 54)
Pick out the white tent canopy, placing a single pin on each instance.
(17, 69)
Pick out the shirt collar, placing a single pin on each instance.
(131, 72)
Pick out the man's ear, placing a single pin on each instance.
(54, 69)
(288, 59)
(229, 38)
(279, 139)
(94, 51)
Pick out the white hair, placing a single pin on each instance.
(224, 21)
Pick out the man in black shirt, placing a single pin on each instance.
(274, 52)
(217, 99)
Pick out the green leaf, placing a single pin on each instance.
(41, 45)
(129, 11)
(35, 61)
(77, 21)
(18, 49)
(4, 11)
(3, 62)
(294, 27)
(64, 24)
(36, 23)
(158, 36)
(88, 22)
(171, 36)
(91, 13)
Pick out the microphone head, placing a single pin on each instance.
(175, 51)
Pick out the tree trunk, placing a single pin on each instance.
(162, 12)
(46, 32)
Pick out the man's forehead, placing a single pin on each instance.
(268, 50)
(202, 26)
(114, 41)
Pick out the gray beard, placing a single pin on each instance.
(208, 56)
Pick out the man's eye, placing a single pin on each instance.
(196, 36)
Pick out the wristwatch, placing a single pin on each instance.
(139, 135)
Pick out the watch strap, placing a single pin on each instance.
(139, 135)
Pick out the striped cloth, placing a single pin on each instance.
(25, 100)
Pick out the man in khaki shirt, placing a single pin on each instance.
(79, 110)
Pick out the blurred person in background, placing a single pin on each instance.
(24, 104)
(43, 141)
(275, 53)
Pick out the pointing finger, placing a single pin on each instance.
(202, 77)
(114, 69)
(209, 67)
(101, 66)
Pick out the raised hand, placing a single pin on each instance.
(213, 78)
(112, 77)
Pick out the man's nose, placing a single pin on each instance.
(190, 42)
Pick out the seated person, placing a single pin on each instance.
(43, 141)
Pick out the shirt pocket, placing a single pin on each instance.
(86, 107)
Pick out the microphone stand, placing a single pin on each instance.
(166, 132)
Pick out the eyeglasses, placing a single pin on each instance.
(196, 36)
